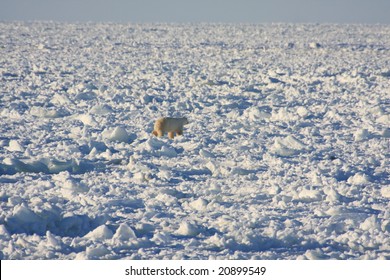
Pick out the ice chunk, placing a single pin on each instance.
(336, 210)
(57, 166)
(25, 220)
(316, 254)
(168, 151)
(359, 179)
(100, 233)
(283, 114)
(385, 119)
(144, 228)
(206, 154)
(71, 187)
(142, 176)
(52, 240)
(200, 204)
(370, 223)
(97, 251)
(155, 144)
(219, 241)
(44, 165)
(188, 229)
(161, 238)
(332, 195)
(240, 171)
(60, 99)
(255, 114)
(164, 174)
(308, 195)
(118, 134)
(47, 113)
(20, 166)
(101, 110)
(362, 135)
(288, 146)
(385, 191)
(87, 119)
(124, 232)
(3, 231)
(75, 225)
(15, 146)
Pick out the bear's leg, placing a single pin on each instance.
(160, 133)
(155, 133)
(171, 134)
(179, 132)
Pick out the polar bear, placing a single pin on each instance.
(170, 126)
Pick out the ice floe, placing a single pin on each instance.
(285, 155)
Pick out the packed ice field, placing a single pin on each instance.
(286, 155)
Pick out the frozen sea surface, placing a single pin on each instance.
(286, 155)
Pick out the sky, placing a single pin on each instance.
(245, 11)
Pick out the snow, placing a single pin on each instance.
(124, 232)
(288, 146)
(187, 229)
(118, 134)
(286, 155)
(100, 233)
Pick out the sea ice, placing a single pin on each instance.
(285, 155)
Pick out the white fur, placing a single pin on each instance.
(170, 126)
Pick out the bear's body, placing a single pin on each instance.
(170, 126)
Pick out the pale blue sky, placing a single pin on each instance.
(251, 11)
